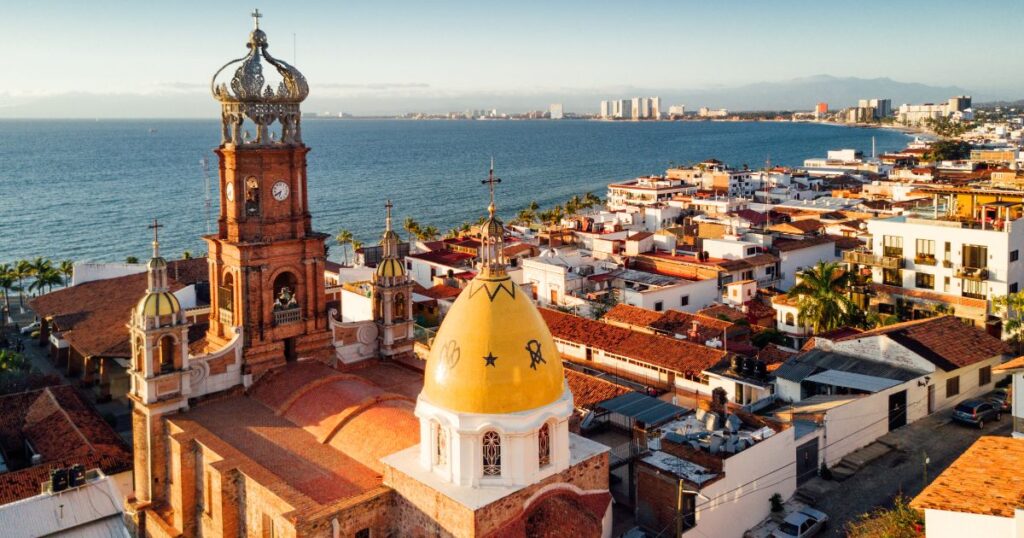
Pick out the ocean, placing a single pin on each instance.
(86, 190)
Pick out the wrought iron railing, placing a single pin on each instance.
(290, 315)
(861, 257)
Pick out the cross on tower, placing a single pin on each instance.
(491, 181)
(387, 209)
(156, 237)
(256, 17)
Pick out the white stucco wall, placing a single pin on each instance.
(945, 524)
(791, 261)
(739, 500)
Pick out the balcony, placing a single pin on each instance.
(285, 316)
(924, 259)
(225, 316)
(862, 257)
(972, 273)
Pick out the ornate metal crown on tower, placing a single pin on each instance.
(249, 95)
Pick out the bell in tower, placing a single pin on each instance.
(266, 262)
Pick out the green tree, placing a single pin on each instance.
(187, 255)
(356, 246)
(8, 282)
(1011, 309)
(22, 270)
(131, 259)
(949, 150)
(67, 269)
(590, 200)
(429, 233)
(46, 281)
(344, 238)
(601, 307)
(411, 227)
(12, 362)
(900, 521)
(821, 294)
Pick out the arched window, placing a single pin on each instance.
(789, 319)
(252, 196)
(440, 444)
(166, 353)
(399, 311)
(492, 453)
(544, 445)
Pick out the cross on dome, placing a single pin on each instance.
(156, 237)
(491, 181)
(256, 16)
(387, 220)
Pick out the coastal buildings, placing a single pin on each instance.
(955, 108)
(636, 108)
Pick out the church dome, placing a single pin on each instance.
(493, 354)
(390, 268)
(158, 303)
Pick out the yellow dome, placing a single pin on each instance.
(493, 353)
(390, 267)
(162, 303)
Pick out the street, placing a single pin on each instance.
(902, 470)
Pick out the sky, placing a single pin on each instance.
(359, 50)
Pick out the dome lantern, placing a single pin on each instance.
(492, 235)
(262, 89)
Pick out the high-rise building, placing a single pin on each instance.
(555, 111)
(606, 109)
(656, 107)
(821, 109)
(635, 110)
(676, 111)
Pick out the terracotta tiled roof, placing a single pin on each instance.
(443, 257)
(668, 353)
(632, 315)
(588, 391)
(63, 430)
(945, 341)
(1011, 365)
(786, 245)
(773, 356)
(985, 479)
(720, 311)
(441, 291)
(798, 226)
(640, 236)
(92, 316)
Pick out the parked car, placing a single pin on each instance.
(975, 412)
(27, 329)
(1001, 399)
(801, 524)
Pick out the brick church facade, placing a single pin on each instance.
(258, 430)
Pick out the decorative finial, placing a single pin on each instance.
(387, 220)
(156, 237)
(491, 181)
(256, 15)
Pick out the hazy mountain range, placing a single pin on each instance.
(180, 100)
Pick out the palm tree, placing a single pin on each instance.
(411, 227)
(822, 299)
(429, 233)
(187, 255)
(590, 200)
(344, 238)
(131, 259)
(22, 270)
(7, 282)
(46, 280)
(573, 205)
(67, 268)
(356, 245)
(453, 233)
(1011, 307)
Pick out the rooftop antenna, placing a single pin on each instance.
(207, 199)
(872, 148)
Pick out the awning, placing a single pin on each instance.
(850, 380)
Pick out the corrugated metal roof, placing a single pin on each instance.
(805, 364)
(646, 409)
(92, 510)
(852, 380)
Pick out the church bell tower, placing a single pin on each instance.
(266, 262)
(392, 297)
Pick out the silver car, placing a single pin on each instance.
(801, 524)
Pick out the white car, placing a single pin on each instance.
(801, 524)
(30, 327)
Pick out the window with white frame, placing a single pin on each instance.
(544, 445)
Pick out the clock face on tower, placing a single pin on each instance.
(280, 191)
(229, 192)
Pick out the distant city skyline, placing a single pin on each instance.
(366, 57)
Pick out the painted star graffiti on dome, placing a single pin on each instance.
(489, 359)
(533, 347)
(450, 354)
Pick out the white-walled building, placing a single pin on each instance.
(803, 253)
(646, 191)
(974, 260)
